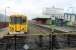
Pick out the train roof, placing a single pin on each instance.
(17, 15)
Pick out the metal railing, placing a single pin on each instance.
(39, 42)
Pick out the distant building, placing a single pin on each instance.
(54, 13)
(59, 13)
(57, 16)
(3, 18)
(71, 18)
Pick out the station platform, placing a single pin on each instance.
(3, 32)
(59, 28)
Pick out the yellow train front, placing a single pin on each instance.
(18, 24)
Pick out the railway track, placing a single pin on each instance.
(33, 40)
(38, 30)
(12, 43)
(63, 41)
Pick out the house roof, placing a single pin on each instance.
(70, 13)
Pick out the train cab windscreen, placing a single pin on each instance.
(17, 20)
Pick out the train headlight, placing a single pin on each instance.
(23, 29)
(11, 28)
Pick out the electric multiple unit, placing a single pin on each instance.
(18, 24)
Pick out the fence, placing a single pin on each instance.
(39, 42)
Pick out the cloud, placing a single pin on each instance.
(33, 7)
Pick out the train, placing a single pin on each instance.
(18, 24)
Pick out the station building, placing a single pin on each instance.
(57, 16)
(45, 21)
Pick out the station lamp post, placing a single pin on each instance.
(6, 13)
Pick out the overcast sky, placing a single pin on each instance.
(34, 7)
